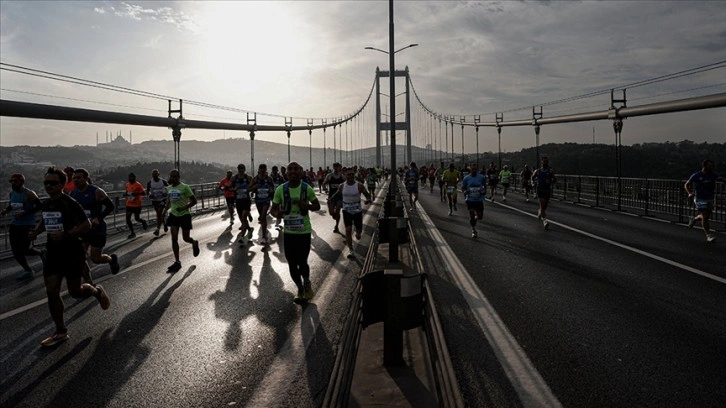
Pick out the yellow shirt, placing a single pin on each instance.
(451, 177)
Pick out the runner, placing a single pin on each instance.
(493, 177)
(321, 178)
(22, 205)
(432, 177)
(335, 200)
(181, 199)
(97, 206)
(504, 177)
(294, 200)
(243, 202)
(440, 177)
(451, 178)
(133, 194)
(278, 178)
(352, 211)
(226, 185)
(263, 187)
(69, 180)
(156, 190)
(371, 178)
(64, 220)
(412, 176)
(526, 176)
(544, 178)
(701, 188)
(474, 189)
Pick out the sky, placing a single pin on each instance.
(304, 59)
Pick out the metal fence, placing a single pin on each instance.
(658, 198)
(209, 197)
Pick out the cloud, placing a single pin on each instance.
(161, 14)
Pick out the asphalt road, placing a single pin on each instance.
(602, 310)
(222, 331)
(611, 310)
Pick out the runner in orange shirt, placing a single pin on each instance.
(134, 194)
(227, 186)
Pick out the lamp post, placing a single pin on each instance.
(392, 191)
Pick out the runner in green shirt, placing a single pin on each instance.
(294, 205)
(180, 198)
(504, 177)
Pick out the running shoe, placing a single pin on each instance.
(175, 267)
(546, 224)
(115, 267)
(455, 209)
(504, 198)
(132, 235)
(54, 339)
(144, 225)
(25, 275)
(166, 229)
(156, 232)
(102, 297)
(451, 212)
(357, 235)
(250, 231)
(527, 199)
(336, 230)
(710, 237)
(300, 297)
(474, 234)
(351, 254)
(691, 221)
(308, 291)
(195, 248)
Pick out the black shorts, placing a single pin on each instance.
(67, 260)
(477, 206)
(158, 205)
(353, 219)
(505, 185)
(184, 222)
(527, 187)
(544, 194)
(133, 210)
(96, 237)
(261, 205)
(493, 183)
(243, 205)
(230, 201)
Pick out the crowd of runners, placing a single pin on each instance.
(73, 215)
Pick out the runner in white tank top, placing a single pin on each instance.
(352, 210)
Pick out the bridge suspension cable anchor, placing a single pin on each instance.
(499, 119)
(536, 116)
(252, 120)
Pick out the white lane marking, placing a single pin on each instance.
(627, 247)
(531, 388)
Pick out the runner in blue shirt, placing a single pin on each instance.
(474, 189)
(701, 188)
(412, 184)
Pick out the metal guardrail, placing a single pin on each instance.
(209, 197)
(664, 198)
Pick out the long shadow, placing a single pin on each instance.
(14, 352)
(17, 398)
(118, 356)
(223, 243)
(319, 354)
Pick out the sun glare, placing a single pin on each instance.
(249, 45)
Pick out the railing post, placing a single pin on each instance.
(647, 196)
(597, 191)
(202, 193)
(579, 188)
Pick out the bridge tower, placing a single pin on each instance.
(400, 125)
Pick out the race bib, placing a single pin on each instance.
(449, 189)
(351, 207)
(53, 221)
(262, 193)
(174, 195)
(474, 192)
(294, 222)
(88, 213)
(241, 193)
(16, 207)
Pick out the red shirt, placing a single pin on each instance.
(136, 191)
(227, 182)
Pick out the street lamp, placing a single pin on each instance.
(386, 52)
